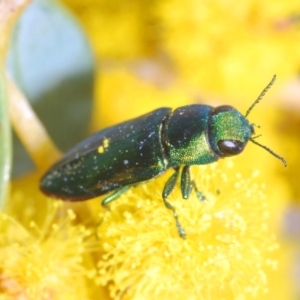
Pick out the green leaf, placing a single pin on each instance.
(5, 143)
(52, 63)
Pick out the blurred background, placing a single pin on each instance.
(105, 61)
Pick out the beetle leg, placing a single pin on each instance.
(116, 194)
(169, 186)
(200, 196)
(187, 185)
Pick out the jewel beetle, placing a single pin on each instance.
(124, 155)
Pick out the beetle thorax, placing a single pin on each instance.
(186, 136)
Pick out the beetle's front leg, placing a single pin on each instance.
(187, 185)
(169, 187)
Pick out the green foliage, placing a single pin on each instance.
(52, 63)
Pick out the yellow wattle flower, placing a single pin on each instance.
(48, 261)
(226, 254)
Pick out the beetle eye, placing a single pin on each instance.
(221, 108)
(230, 147)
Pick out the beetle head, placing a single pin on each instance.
(229, 131)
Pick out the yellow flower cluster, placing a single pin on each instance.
(46, 261)
(226, 254)
(219, 46)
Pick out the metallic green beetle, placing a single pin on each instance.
(121, 156)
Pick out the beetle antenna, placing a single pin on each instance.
(256, 136)
(255, 125)
(269, 150)
(261, 95)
